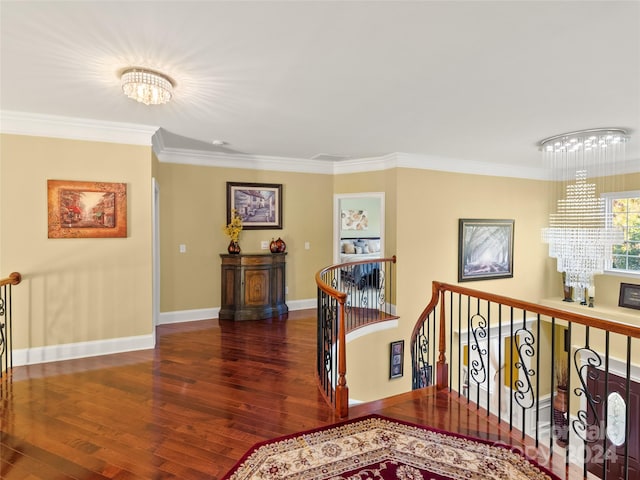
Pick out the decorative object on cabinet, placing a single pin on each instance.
(232, 230)
(273, 247)
(258, 204)
(86, 209)
(281, 246)
(485, 249)
(253, 286)
(233, 248)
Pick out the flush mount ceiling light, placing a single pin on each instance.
(147, 86)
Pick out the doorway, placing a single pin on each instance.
(370, 202)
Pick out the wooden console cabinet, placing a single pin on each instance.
(253, 286)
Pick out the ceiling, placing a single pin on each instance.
(471, 81)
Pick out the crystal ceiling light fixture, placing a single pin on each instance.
(584, 164)
(147, 86)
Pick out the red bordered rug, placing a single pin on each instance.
(376, 447)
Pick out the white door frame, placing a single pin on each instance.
(155, 267)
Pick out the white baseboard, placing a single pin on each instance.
(68, 351)
(209, 313)
(180, 316)
(302, 304)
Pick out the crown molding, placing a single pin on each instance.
(368, 164)
(39, 125)
(430, 162)
(242, 160)
(21, 123)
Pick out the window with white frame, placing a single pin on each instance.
(625, 214)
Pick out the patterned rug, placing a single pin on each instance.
(376, 447)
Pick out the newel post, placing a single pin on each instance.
(342, 391)
(442, 368)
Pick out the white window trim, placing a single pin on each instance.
(608, 197)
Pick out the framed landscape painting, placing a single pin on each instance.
(485, 249)
(86, 209)
(259, 204)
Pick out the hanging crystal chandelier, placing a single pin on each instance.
(581, 233)
(147, 86)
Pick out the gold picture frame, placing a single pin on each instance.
(79, 209)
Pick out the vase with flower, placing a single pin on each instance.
(232, 230)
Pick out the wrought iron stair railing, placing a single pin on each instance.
(510, 359)
(350, 296)
(6, 321)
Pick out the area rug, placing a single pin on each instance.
(376, 447)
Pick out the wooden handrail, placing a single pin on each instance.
(337, 294)
(342, 390)
(13, 279)
(622, 328)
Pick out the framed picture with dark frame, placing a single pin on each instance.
(485, 249)
(629, 296)
(86, 209)
(396, 360)
(259, 204)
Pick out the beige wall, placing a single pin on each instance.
(74, 290)
(80, 290)
(428, 206)
(193, 212)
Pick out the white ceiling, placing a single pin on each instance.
(456, 80)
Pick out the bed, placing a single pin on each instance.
(356, 250)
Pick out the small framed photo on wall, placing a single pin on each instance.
(396, 360)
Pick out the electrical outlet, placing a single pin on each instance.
(264, 244)
(183, 248)
(286, 290)
(307, 245)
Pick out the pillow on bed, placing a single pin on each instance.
(358, 249)
(374, 246)
(348, 248)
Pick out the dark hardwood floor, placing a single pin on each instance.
(188, 409)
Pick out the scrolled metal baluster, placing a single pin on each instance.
(364, 299)
(422, 362)
(3, 341)
(524, 389)
(588, 432)
(381, 287)
(478, 370)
